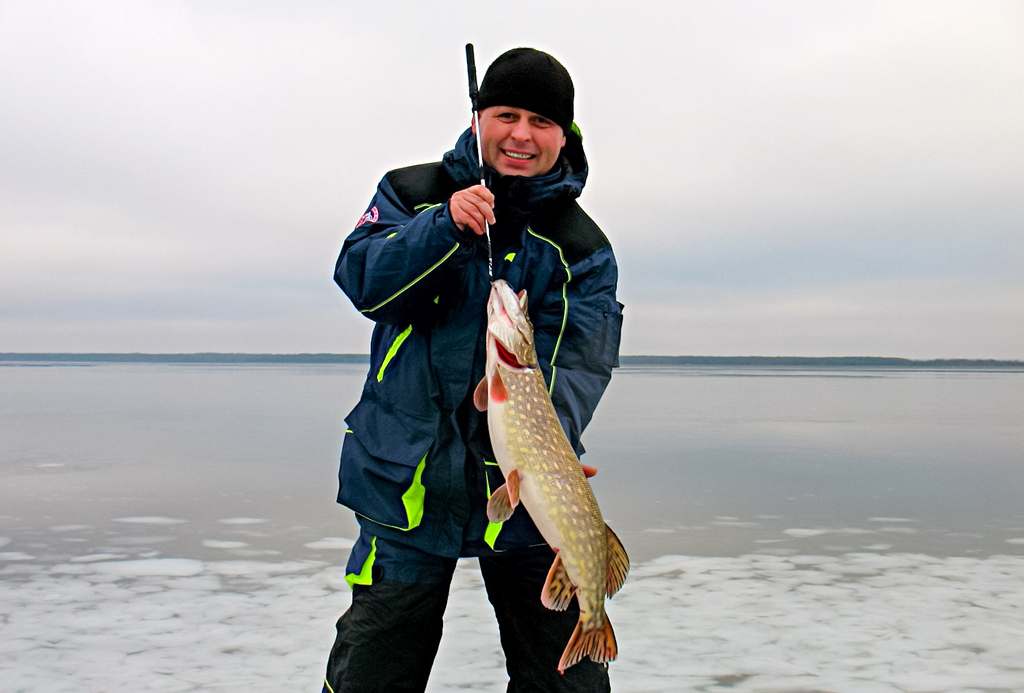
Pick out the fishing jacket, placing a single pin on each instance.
(415, 463)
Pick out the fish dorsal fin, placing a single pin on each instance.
(558, 588)
(480, 395)
(618, 563)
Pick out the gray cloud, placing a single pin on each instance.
(807, 177)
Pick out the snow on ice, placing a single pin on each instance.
(870, 622)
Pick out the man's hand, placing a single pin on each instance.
(472, 207)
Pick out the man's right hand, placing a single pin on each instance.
(472, 207)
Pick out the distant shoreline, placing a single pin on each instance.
(634, 360)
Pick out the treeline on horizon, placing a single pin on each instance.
(635, 360)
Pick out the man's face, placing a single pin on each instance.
(517, 142)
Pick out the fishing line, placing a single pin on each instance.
(473, 93)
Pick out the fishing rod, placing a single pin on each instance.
(473, 93)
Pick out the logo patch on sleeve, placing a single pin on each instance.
(369, 217)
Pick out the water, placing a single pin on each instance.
(173, 528)
(691, 460)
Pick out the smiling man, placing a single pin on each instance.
(416, 464)
(520, 142)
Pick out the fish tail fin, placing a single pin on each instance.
(597, 643)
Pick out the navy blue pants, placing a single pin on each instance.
(388, 638)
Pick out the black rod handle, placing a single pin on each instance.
(471, 69)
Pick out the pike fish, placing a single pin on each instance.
(542, 470)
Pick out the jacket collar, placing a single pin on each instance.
(565, 181)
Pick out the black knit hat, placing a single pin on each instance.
(531, 79)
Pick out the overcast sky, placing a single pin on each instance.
(777, 178)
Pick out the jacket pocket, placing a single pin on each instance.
(382, 463)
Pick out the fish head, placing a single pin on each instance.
(509, 330)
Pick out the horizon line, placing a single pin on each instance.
(666, 359)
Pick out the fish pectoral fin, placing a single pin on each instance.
(497, 388)
(597, 643)
(504, 499)
(512, 481)
(558, 588)
(618, 563)
(499, 507)
(480, 395)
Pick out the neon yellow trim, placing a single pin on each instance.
(365, 574)
(565, 304)
(510, 257)
(426, 205)
(493, 528)
(349, 430)
(401, 291)
(413, 498)
(491, 534)
(395, 346)
(576, 128)
(328, 686)
(437, 299)
(391, 235)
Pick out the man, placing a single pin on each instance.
(416, 464)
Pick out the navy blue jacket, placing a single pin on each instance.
(416, 465)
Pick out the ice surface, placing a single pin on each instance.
(139, 541)
(222, 544)
(820, 531)
(799, 532)
(149, 567)
(861, 622)
(898, 530)
(94, 557)
(242, 521)
(151, 520)
(252, 569)
(330, 544)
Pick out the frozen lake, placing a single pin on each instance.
(172, 527)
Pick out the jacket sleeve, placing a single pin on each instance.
(589, 348)
(395, 260)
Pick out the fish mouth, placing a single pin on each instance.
(502, 329)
